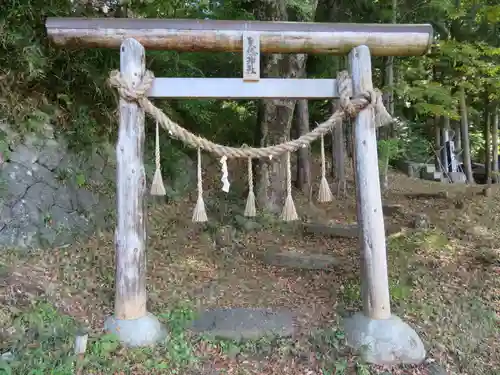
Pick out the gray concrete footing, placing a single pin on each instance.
(144, 331)
(384, 342)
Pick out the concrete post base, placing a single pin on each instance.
(384, 342)
(144, 331)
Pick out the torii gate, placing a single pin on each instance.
(384, 337)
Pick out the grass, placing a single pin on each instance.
(42, 342)
(443, 281)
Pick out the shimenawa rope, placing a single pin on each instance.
(348, 107)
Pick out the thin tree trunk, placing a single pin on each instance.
(445, 158)
(458, 137)
(494, 145)
(304, 154)
(389, 78)
(437, 144)
(487, 145)
(464, 122)
(339, 155)
(328, 11)
(301, 116)
(383, 173)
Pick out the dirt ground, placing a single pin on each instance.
(444, 281)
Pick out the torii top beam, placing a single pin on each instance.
(218, 36)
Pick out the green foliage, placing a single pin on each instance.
(389, 149)
(42, 83)
(43, 343)
(477, 145)
(414, 143)
(180, 349)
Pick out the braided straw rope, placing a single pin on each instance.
(157, 187)
(199, 213)
(348, 107)
(250, 210)
(324, 192)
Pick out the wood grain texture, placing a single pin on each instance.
(220, 35)
(375, 283)
(130, 236)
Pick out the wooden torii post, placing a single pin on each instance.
(385, 338)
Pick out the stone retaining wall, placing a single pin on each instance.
(48, 195)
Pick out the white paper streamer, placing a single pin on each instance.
(225, 174)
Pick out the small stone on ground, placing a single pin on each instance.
(244, 323)
(334, 230)
(343, 230)
(421, 221)
(391, 209)
(295, 259)
(436, 369)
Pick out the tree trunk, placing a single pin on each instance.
(304, 154)
(437, 144)
(389, 78)
(383, 173)
(338, 148)
(494, 145)
(328, 11)
(374, 283)
(487, 145)
(464, 122)
(458, 137)
(445, 157)
(130, 283)
(304, 180)
(275, 115)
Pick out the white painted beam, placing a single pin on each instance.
(236, 88)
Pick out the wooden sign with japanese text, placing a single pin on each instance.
(251, 56)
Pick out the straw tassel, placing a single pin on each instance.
(199, 213)
(157, 187)
(289, 212)
(250, 210)
(324, 193)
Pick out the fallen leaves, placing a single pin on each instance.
(184, 265)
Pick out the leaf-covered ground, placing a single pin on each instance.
(444, 281)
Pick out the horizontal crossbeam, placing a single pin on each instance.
(236, 88)
(217, 35)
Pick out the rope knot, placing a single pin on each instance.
(382, 116)
(345, 93)
(127, 90)
(373, 98)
